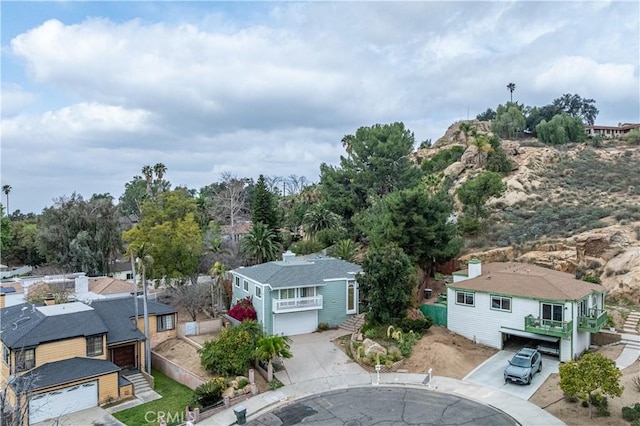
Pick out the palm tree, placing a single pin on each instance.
(270, 347)
(345, 250)
(147, 171)
(160, 169)
(260, 244)
(7, 189)
(318, 218)
(511, 87)
(217, 272)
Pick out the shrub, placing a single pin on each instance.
(631, 413)
(275, 384)
(233, 351)
(209, 393)
(323, 326)
(244, 310)
(418, 326)
(443, 159)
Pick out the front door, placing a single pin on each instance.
(124, 356)
(352, 298)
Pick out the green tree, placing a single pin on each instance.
(22, 248)
(79, 235)
(263, 206)
(488, 115)
(170, 232)
(378, 162)
(346, 250)
(577, 106)
(417, 221)
(509, 121)
(560, 130)
(475, 192)
(270, 347)
(233, 351)
(497, 160)
(318, 218)
(5, 233)
(387, 281)
(134, 195)
(591, 376)
(260, 244)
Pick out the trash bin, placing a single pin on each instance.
(241, 414)
(427, 293)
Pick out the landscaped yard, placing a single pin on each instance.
(175, 398)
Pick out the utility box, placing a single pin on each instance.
(241, 414)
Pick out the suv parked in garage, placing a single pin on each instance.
(524, 364)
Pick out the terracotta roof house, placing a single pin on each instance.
(293, 295)
(610, 131)
(110, 287)
(58, 359)
(491, 303)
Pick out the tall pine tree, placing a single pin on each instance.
(263, 206)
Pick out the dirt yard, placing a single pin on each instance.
(186, 355)
(447, 353)
(550, 397)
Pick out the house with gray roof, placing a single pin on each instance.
(294, 295)
(549, 309)
(67, 357)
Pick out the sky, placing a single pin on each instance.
(93, 91)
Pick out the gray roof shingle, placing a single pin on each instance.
(65, 371)
(300, 273)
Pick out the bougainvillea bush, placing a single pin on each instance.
(244, 310)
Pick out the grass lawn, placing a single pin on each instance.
(175, 398)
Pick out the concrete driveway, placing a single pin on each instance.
(490, 374)
(90, 416)
(315, 357)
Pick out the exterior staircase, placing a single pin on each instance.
(353, 324)
(140, 384)
(631, 324)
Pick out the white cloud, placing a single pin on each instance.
(15, 98)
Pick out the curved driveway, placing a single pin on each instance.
(383, 405)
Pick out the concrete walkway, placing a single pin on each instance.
(631, 351)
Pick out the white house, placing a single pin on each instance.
(488, 304)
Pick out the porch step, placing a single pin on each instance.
(631, 324)
(353, 324)
(140, 384)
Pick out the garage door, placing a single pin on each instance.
(52, 405)
(295, 323)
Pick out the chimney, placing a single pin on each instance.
(288, 256)
(49, 300)
(2, 301)
(474, 268)
(81, 284)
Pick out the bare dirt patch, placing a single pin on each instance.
(551, 399)
(186, 355)
(447, 353)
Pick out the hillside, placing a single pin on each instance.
(574, 208)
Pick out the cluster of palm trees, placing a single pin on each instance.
(147, 171)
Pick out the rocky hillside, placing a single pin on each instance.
(574, 208)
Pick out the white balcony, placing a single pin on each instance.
(298, 304)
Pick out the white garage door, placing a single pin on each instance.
(63, 401)
(295, 323)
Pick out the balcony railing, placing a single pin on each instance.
(547, 327)
(593, 322)
(299, 304)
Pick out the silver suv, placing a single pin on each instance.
(524, 364)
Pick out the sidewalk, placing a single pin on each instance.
(522, 411)
(631, 351)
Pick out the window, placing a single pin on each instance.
(288, 293)
(307, 292)
(465, 298)
(166, 322)
(552, 312)
(6, 355)
(245, 285)
(258, 292)
(94, 346)
(500, 303)
(25, 359)
(237, 281)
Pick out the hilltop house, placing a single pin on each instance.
(294, 295)
(58, 359)
(610, 131)
(554, 309)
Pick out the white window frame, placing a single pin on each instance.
(245, 285)
(465, 298)
(500, 303)
(24, 363)
(237, 282)
(287, 294)
(161, 322)
(6, 355)
(258, 292)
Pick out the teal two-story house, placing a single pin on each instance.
(294, 295)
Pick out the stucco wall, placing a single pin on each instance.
(175, 371)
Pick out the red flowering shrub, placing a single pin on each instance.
(243, 310)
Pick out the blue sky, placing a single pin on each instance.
(93, 91)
